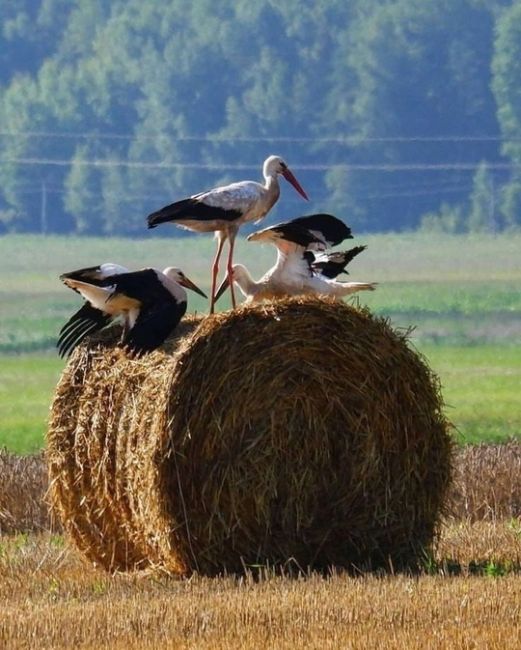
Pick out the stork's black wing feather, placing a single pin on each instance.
(332, 229)
(85, 313)
(190, 209)
(332, 264)
(154, 324)
(296, 234)
(67, 343)
(143, 286)
(85, 321)
(90, 274)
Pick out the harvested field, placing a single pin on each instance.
(468, 596)
(48, 594)
(23, 489)
(486, 482)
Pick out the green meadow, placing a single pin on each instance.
(26, 386)
(481, 387)
(459, 296)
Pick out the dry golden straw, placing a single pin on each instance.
(302, 431)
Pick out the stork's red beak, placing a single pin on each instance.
(291, 179)
(222, 288)
(185, 282)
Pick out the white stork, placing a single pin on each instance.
(151, 303)
(224, 209)
(302, 267)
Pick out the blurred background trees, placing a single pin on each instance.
(394, 114)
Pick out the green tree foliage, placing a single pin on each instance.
(422, 69)
(83, 198)
(448, 218)
(118, 108)
(482, 216)
(511, 203)
(507, 81)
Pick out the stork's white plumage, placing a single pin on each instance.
(300, 261)
(150, 302)
(223, 209)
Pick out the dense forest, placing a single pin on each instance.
(394, 114)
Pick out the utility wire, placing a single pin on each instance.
(348, 139)
(391, 167)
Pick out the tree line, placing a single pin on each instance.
(395, 115)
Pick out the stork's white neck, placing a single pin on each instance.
(271, 182)
(281, 259)
(173, 287)
(245, 282)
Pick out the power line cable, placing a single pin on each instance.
(349, 139)
(462, 166)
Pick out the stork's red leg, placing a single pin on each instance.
(230, 269)
(221, 237)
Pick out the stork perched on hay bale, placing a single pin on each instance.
(302, 266)
(151, 303)
(224, 209)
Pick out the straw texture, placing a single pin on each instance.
(303, 430)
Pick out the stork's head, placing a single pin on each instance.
(241, 276)
(176, 275)
(274, 165)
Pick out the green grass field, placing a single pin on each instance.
(481, 387)
(26, 386)
(460, 293)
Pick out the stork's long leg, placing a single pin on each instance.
(230, 268)
(221, 238)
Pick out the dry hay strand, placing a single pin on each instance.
(486, 482)
(304, 431)
(23, 484)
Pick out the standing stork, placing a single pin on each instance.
(151, 303)
(302, 266)
(224, 209)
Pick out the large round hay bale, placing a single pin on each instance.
(304, 430)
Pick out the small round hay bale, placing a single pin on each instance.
(302, 429)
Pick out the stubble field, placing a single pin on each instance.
(51, 600)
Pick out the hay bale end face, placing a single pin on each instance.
(301, 429)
